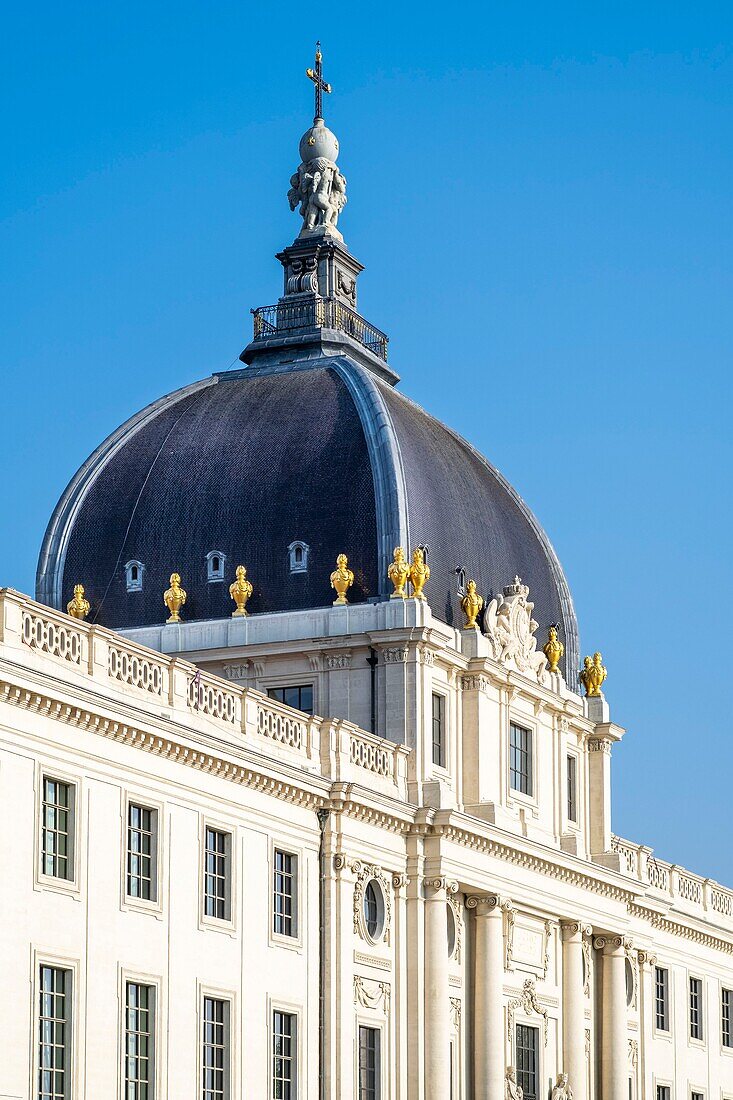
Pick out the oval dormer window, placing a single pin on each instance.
(215, 562)
(134, 576)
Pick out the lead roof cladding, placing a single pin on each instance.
(254, 460)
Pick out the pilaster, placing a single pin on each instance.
(573, 1034)
(614, 1038)
(489, 1044)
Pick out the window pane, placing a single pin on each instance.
(369, 1067)
(214, 1053)
(141, 826)
(439, 730)
(727, 1017)
(572, 788)
(299, 696)
(284, 1056)
(662, 998)
(216, 874)
(284, 887)
(54, 1033)
(527, 1057)
(139, 1042)
(56, 838)
(520, 759)
(696, 1020)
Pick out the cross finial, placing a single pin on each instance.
(316, 75)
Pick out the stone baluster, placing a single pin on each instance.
(437, 992)
(490, 1061)
(614, 1038)
(573, 1035)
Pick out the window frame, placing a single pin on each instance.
(530, 729)
(228, 996)
(282, 939)
(302, 565)
(696, 1040)
(41, 958)
(130, 584)
(295, 1012)
(215, 576)
(41, 880)
(128, 901)
(528, 1024)
(664, 1084)
(291, 685)
(442, 762)
(228, 923)
(726, 1048)
(667, 1032)
(374, 1027)
(572, 790)
(155, 982)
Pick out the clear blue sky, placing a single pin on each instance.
(542, 196)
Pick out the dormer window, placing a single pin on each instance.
(215, 562)
(134, 576)
(298, 552)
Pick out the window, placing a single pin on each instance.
(696, 1095)
(139, 1041)
(371, 909)
(572, 767)
(284, 1055)
(661, 990)
(298, 557)
(527, 1060)
(664, 1092)
(284, 894)
(299, 696)
(215, 1050)
(217, 891)
(439, 730)
(134, 576)
(726, 1017)
(696, 1015)
(142, 828)
(215, 562)
(54, 1033)
(57, 840)
(520, 759)
(369, 1069)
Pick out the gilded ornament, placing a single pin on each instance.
(399, 573)
(471, 605)
(240, 591)
(554, 649)
(174, 598)
(592, 675)
(342, 579)
(419, 573)
(79, 607)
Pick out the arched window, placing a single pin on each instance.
(134, 576)
(298, 552)
(215, 562)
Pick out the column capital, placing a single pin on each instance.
(399, 881)
(569, 929)
(647, 958)
(611, 944)
(486, 904)
(438, 887)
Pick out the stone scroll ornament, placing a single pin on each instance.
(510, 628)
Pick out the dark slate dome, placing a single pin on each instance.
(321, 451)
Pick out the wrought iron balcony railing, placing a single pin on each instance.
(302, 315)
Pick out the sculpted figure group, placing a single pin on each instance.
(320, 190)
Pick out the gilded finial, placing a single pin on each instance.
(419, 573)
(554, 649)
(79, 607)
(592, 675)
(342, 579)
(398, 573)
(471, 605)
(240, 591)
(174, 598)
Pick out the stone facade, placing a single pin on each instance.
(434, 905)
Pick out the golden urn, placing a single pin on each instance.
(240, 591)
(471, 605)
(79, 607)
(419, 573)
(592, 675)
(554, 649)
(174, 598)
(342, 579)
(398, 573)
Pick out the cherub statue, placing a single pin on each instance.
(320, 189)
(561, 1089)
(513, 1091)
(471, 604)
(592, 675)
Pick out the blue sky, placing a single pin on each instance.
(541, 194)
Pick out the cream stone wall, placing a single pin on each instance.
(495, 909)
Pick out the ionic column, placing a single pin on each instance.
(614, 1039)
(573, 1033)
(437, 993)
(490, 1047)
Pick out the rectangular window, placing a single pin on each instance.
(527, 1059)
(54, 1033)
(57, 839)
(215, 1050)
(142, 828)
(696, 1020)
(369, 1068)
(285, 886)
(696, 1095)
(661, 989)
(284, 1056)
(572, 780)
(520, 759)
(439, 730)
(664, 1092)
(217, 890)
(726, 1017)
(139, 1041)
(299, 696)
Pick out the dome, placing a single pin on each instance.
(318, 141)
(323, 454)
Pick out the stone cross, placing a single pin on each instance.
(316, 75)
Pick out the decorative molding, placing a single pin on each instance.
(371, 994)
(372, 960)
(509, 922)
(237, 671)
(531, 1006)
(587, 957)
(457, 910)
(315, 661)
(426, 656)
(587, 1045)
(395, 655)
(599, 744)
(455, 1013)
(365, 872)
(633, 961)
(548, 940)
(634, 1052)
(476, 683)
(335, 662)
